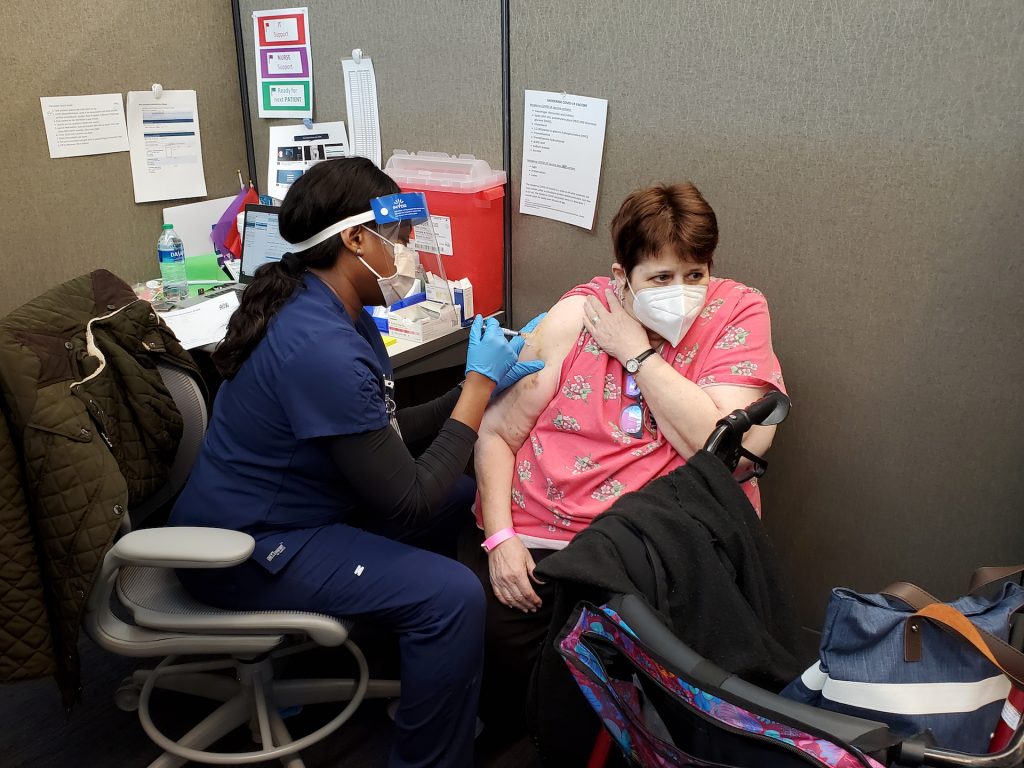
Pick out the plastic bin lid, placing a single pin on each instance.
(441, 172)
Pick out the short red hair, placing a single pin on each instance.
(665, 215)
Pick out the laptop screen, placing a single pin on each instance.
(261, 242)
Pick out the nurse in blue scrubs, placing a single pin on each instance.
(306, 452)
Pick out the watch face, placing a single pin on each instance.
(632, 366)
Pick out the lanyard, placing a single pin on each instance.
(389, 403)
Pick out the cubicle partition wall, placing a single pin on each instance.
(438, 68)
(64, 217)
(865, 159)
(866, 162)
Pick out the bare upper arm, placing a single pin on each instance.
(514, 414)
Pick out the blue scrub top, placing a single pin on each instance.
(262, 470)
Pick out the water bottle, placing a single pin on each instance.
(171, 253)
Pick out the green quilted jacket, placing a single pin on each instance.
(89, 430)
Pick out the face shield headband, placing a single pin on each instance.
(334, 229)
(393, 214)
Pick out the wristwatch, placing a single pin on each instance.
(634, 363)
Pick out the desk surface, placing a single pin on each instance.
(410, 359)
(448, 351)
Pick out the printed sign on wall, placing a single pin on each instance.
(284, 62)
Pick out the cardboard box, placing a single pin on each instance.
(462, 292)
(421, 322)
(459, 292)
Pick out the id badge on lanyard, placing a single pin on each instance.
(389, 403)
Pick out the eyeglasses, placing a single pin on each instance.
(636, 415)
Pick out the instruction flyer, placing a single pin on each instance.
(284, 62)
(84, 125)
(294, 149)
(563, 142)
(164, 145)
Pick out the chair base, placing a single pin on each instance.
(253, 697)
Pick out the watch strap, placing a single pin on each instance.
(644, 355)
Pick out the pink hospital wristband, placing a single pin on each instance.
(497, 538)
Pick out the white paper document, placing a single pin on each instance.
(166, 150)
(361, 102)
(193, 223)
(563, 141)
(202, 323)
(84, 125)
(294, 149)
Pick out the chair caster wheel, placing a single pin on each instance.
(126, 698)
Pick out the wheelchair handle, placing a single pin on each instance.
(726, 442)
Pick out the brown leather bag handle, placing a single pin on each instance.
(917, 598)
(911, 594)
(1008, 659)
(991, 573)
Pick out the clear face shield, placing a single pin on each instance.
(404, 221)
(394, 219)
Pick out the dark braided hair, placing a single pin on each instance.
(326, 193)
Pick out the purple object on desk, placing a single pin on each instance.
(227, 220)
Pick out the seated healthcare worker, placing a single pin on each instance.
(302, 443)
(639, 369)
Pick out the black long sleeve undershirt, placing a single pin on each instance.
(394, 486)
(421, 422)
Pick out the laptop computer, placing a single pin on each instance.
(261, 244)
(261, 241)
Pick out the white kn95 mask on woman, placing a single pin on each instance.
(670, 310)
(397, 286)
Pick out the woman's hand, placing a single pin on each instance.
(615, 331)
(511, 566)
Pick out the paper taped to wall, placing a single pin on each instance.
(361, 102)
(166, 150)
(284, 62)
(563, 141)
(84, 125)
(294, 149)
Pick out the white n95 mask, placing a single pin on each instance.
(670, 310)
(398, 286)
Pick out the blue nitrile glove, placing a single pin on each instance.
(489, 354)
(520, 369)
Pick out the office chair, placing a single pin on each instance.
(138, 608)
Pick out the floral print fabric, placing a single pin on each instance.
(618, 704)
(597, 440)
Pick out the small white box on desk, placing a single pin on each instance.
(421, 322)
(462, 293)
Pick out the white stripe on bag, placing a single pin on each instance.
(908, 698)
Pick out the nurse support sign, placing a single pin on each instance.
(284, 66)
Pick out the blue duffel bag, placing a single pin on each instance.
(904, 658)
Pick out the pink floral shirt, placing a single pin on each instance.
(597, 439)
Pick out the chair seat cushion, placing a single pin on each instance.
(157, 600)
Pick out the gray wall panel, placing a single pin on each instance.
(64, 217)
(865, 163)
(438, 67)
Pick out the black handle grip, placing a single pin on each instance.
(770, 409)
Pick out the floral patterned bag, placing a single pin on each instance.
(659, 719)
